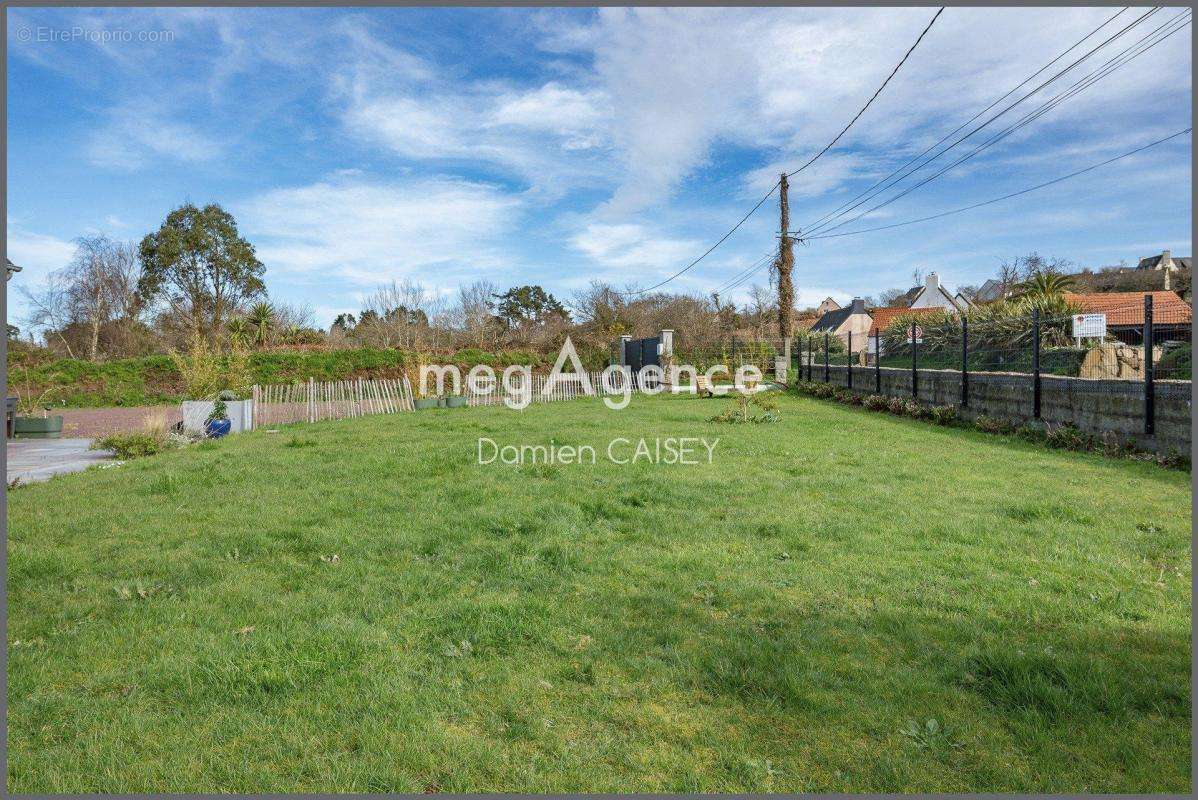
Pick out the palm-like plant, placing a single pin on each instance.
(1043, 285)
(240, 330)
(261, 318)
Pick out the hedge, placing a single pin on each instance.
(153, 380)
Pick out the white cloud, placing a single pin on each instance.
(549, 135)
(364, 233)
(578, 115)
(133, 137)
(634, 248)
(684, 81)
(37, 254)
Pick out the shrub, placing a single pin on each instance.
(1067, 437)
(896, 405)
(738, 410)
(943, 415)
(824, 390)
(1174, 460)
(876, 402)
(199, 369)
(1032, 431)
(913, 409)
(132, 445)
(992, 424)
(154, 437)
(849, 398)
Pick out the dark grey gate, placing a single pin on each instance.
(639, 352)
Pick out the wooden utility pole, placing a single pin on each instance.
(785, 264)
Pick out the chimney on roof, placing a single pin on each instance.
(933, 280)
(858, 306)
(1166, 257)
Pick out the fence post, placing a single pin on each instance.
(914, 363)
(1036, 363)
(1149, 371)
(850, 362)
(877, 361)
(795, 355)
(827, 372)
(964, 361)
(311, 399)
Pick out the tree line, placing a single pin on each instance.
(197, 276)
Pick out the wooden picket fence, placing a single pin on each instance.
(319, 400)
(313, 401)
(567, 387)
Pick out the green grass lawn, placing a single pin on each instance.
(775, 621)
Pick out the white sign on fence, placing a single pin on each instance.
(1089, 325)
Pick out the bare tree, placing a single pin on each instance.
(103, 281)
(474, 313)
(761, 305)
(97, 288)
(293, 315)
(50, 308)
(397, 315)
(890, 297)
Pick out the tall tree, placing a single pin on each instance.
(521, 305)
(200, 264)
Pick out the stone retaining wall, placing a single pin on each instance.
(1092, 405)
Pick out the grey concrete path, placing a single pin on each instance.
(34, 460)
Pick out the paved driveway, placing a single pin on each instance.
(34, 460)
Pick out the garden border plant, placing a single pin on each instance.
(1064, 437)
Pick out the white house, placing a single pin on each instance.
(933, 295)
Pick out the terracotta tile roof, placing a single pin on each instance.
(883, 317)
(1127, 308)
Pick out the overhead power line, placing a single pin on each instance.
(959, 128)
(748, 272)
(907, 170)
(1009, 196)
(711, 249)
(827, 147)
(869, 102)
(1136, 49)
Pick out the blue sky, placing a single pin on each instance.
(357, 146)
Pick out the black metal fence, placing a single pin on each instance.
(1128, 348)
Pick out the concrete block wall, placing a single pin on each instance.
(1095, 406)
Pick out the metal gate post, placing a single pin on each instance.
(964, 361)
(1036, 363)
(1149, 371)
(827, 372)
(914, 363)
(877, 362)
(850, 363)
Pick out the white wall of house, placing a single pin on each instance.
(934, 295)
